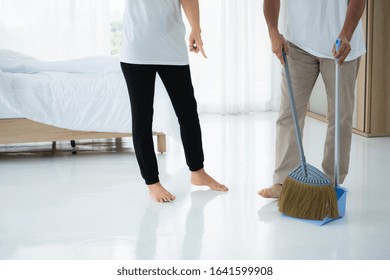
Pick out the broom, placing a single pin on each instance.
(306, 193)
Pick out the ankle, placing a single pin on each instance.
(198, 172)
(151, 186)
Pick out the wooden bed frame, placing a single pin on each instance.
(13, 131)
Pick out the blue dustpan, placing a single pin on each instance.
(341, 204)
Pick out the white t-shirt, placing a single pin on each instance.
(153, 33)
(313, 25)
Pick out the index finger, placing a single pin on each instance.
(340, 51)
(279, 55)
(202, 51)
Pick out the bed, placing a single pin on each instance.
(71, 100)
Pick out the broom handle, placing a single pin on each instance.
(337, 121)
(295, 115)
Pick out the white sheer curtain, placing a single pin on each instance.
(241, 74)
(55, 29)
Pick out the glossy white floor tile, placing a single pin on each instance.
(54, 205)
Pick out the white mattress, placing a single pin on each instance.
(87, 94)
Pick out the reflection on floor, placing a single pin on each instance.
(93, 205)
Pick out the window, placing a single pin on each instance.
(61, 29)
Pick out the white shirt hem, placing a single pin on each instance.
(173, 63)
(350, 57)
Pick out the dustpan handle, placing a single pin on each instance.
(337, 120)
(295, 115)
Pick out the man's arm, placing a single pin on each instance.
(191, 9)
(271, 10)
(354, 13)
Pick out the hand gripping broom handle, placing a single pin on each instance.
(295, 115)
(337, 121)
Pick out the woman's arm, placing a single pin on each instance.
(191, 9)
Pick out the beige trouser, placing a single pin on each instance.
(304, 69)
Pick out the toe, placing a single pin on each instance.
(264, 193)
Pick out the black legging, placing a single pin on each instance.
(140, 81)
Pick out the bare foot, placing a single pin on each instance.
(159, 194)
(201, 178)
(271, 192)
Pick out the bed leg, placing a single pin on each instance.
(73, 144)
(161, 143)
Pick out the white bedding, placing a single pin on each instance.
(87, 94)
(6, 113)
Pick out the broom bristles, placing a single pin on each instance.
(304, 201)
